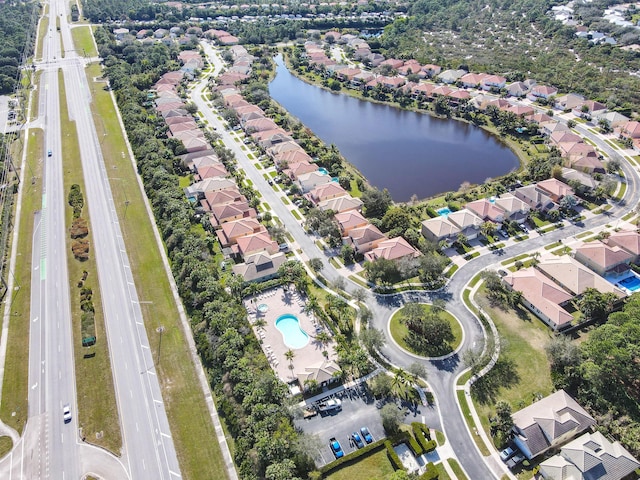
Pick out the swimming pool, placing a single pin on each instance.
(443, 212)
(323, 171)
(293, 335)
(631, 283)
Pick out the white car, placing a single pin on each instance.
(66, 413)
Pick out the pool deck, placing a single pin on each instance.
(280, 302)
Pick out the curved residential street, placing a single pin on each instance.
(441, 373)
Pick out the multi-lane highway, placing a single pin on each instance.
(51, 448)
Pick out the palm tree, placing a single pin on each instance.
(324, 338)
(401, 383)
(289, 355)
(260, 323)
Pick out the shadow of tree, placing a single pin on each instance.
(502, 375)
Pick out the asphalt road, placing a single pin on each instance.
(51, 448)
(441, 373)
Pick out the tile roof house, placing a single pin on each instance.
(514, 209)
(467, 221)
(603, 259)
(431, 70)
(229, 232)
(592, 108)
(349, 220)
(535, 198)
(590, 457)
(326, 191)
(201, 162)
(230, 212)
(517, 89)
(220, 197)
(564, 137)
(542, 91)
(571, 175)
(556, 189)
(181, 119)
(549, 423)
(252, 244)
(365, 238)
(392, 249)
(451, 76)
(341, 204)
(542, 296)
(630, 130)
(628, 240)
(440, 229)
(486, 210)
(569, 101)
(260, 267)
(520, 110)
(211, 171)
(472, 80)
(549, 128)
(493, 82)
(575, 277)
(289, 157)
(309, 181)
(269, 138)
(283, 147)
(260, 125)
(615, 119)
(586, 163)
(198, 189)
(294, 170)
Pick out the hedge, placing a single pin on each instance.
(353, 456)
(393, 456)
(422, 434)
(431, 473)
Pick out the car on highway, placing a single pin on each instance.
(66, 413)
(336, 448)
(49, 153)
(357, 440)
(506, 454)
(364, 431)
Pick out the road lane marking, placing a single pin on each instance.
(35, 319)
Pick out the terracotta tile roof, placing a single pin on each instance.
(341, 204)
(366, 234)
(604, 256)
(556, 187)
(565, 137)
(486, 210)
(440, 227)
(392, 249)
(256, 243)
(627, 240)
(542, 293)
(511, 204)
(330, 189)
(465, 218)
(350, 219)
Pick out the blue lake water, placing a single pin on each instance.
(406, 152)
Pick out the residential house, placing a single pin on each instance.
(245, 117)
(569, 101)
(335, 35)
(341, 204)
(565, 136)
(283, 147)
(514, 209)
(296, 169)
(349, 220)
(535, 198)
(603, 259)
(590, 457)
(520, 110)
(260, 125)
(548, 423)
(571, 175)
(487, 210)
(120, 33)
(374, 59)
(548, 128)
(411, 67)
(577, 149)
(590, 108)
(176, 128)
(221, 197)
(493, 82)
(230, 212)
(628, 240)
(258, 243)
(543, 92)
(575, 277)
(347, 74)
(269, 138)
(450, 76)
(392, 249)
(614, 119)
(173, 105)
(260, 267)
(586, 163)
(193, 143)
(211, 171)
(365, 238)
(631, 130)
(362, 78)
(198, 189)
(174, 112)
(311, 180)
(393, 63)
(284, 159)
(201, 162)
(423, 90)
(229, 232)
(540, 118)
(467, 221)
(517, 89)
(326, 191)
(556, 189)
(472, 80)
(542, 296)
(431, 70)
(440, 229)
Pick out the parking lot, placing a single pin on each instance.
(359, 409)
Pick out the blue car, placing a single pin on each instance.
(366, 435)
(357, 440)
(335, 447)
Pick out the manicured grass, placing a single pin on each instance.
(442, 472)
(440, 438)
(621, 191)
(42, 30)
(295, 214)
(191, 427)
(399, 331)
(83, 41)
(6, 444)
(372, 466)
(552, 245)
(539, 222)
(97, 408)
(453, 269)
(14, 407)
(514, 259)
(584, 234)
(474, 281)
(525, 371)
(456, 469)
(464, 378)
(355, 191)
(466, 413)
(184, 181)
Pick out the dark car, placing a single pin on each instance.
(336, 448)
(364, 431)
(357, 440)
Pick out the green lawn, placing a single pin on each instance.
(191, 427)
(13, 409)
(42, 30)
(97, 408)
(523, 370)
(375, 466)
(456, 469)
(466, 413)
(5, 446)
(83, 41)
(399, 331)
(355, 191)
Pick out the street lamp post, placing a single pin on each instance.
(160, 330)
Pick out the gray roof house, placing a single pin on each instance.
(590, 457)
(548, 423)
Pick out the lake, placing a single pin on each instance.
(405, 152)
